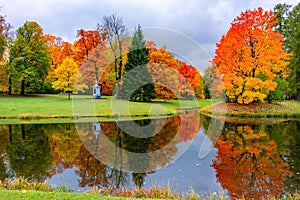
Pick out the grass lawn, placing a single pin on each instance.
(58, 106)
(290, 109)
(37, 195)
(40, 195)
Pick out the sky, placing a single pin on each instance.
(204, 21)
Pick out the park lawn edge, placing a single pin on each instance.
(35, 194)
(47, 195)
(29, 109)
(286, 110)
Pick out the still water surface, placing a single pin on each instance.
(252, 158)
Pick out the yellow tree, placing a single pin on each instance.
(66, 74)
(59, 50)
(250, 56)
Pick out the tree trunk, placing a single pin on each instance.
(298, 96)
(120, 69)
(9, 86)
(69, 94)
(23, 87)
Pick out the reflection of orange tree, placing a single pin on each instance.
(189, 125)
(248, 163)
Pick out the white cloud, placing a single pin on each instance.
(204, 21)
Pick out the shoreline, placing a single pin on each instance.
(283, 110)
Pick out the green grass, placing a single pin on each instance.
(37, 195)
(25, 189)
(40, 195)
(33, 107)
(286, 109)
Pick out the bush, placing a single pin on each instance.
(279, 93)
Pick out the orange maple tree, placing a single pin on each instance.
(59, 50)
(172, 77)
(250, 56)
(191, 82)
(87, 41)
(163, 68)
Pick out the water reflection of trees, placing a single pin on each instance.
(254, 161)
(38, 152)
(134, 154)
(28, 151)
(132, 158)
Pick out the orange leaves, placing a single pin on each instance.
(173, 77)
(164, 57)
(249, 57)
(87, 41)
(165, 81)
(59, 50)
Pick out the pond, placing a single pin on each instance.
(236, 157)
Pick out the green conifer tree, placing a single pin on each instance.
(137, 83)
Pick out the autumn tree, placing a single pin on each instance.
(66, 74)
(59, 50)
(95, 58)
(4, 37)
(29, 59)
(86, 42)
(137, 83)
(163, 68)
(250, 56)
(191, 82)
(4, 34)
(115, 30)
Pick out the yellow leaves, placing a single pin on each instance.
(233, 85)
(66, 74)
(253, 91)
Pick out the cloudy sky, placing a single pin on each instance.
(205, 21)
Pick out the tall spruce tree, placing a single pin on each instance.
(292, 42)
(137, 82)
(289, 27)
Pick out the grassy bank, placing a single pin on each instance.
(40, 195)
(37, 195)
(57, 106)
(24, 189)
(286, 109)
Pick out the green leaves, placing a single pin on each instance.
(289, 27)
(137, 81)
(29, 57)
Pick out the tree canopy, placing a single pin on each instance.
(249, 57)
(29, 57)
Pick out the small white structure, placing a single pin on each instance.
(96, 91)
(96, 128)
